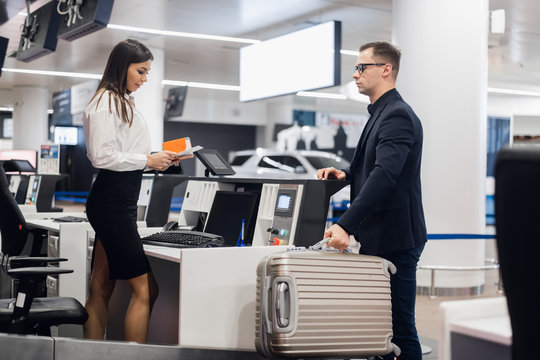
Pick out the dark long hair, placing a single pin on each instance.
(125, 53)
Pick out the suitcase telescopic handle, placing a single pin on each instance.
(321, 246)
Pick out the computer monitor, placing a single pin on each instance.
(66, 135)
(21, 166)
(157, 213)
(144, 196)
(30, 155)
(228, 210)
(20, 196)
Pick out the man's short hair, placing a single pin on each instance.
(384, 52)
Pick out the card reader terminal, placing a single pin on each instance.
(280, 231)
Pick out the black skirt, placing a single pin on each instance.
(111, 208)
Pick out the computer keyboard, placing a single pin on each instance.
(183, 239)
(70, 219)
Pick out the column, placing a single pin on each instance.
(30, 118)
(149, 99)
(443, 76)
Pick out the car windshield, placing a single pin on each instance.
(319, 162)
(240, 160)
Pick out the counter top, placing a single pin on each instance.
(495, 329)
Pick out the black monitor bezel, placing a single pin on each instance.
(249, 229)
(202, 156)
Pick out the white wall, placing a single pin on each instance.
(6, 97)
(526, 125)
(524, 110)
(513, 104)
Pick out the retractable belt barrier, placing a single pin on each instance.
(491, 264)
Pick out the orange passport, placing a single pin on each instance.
(180, 146)
(177, 145)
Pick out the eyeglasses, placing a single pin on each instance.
(362, 67)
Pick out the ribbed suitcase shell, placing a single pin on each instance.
(340, 305)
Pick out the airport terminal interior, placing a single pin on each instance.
(255, 96)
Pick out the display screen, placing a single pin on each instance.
(303, 60)
(229, 210)
(216, 161)
(66, 135)
(284, 201)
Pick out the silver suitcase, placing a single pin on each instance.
(323, 304)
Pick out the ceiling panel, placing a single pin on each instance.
(514, 57)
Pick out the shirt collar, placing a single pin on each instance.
(372, 108)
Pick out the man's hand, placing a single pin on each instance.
(330, 173)
(339, 238)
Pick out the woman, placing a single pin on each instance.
(118, 144)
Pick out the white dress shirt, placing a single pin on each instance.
(111, 143)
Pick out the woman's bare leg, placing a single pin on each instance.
(144, 292)
(101, 288)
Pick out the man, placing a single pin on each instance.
(386, 214)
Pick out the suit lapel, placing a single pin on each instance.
(369, 126)
(364, 136)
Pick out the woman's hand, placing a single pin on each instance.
(162, 160)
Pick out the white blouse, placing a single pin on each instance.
(111, 143)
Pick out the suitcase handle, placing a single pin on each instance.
(321, 246)
(283, 309)
(283, 305)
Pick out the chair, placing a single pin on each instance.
(27, 314)
(517, 218)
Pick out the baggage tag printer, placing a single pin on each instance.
(282, 224)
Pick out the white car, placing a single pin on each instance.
(303, 164)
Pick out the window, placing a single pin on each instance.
(282, 162)
(319, 162)
(240, 160)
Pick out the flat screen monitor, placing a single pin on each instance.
(303, 60)
(16, 165)
(144, 196)
(30, 155)
(229, 210)
(66, 135)
(214, 162)
(176, 99)
(20, 195)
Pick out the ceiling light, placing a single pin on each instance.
(213, 86)
(497, 21)
(349, 52)
(174, 83)
(513, 92)
(182, 34)
(53, 73)
(322, 95)
(201, 85)
(10, 109)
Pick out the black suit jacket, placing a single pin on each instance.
(386, 213)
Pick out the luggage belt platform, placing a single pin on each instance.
(50, 348)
